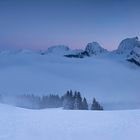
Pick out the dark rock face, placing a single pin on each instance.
(134, 56)
(132, 60)
(78, 55)
(91, 49)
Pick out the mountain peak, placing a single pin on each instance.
(94, 48)
(127, 45)
(57, 50)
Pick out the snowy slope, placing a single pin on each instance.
(57, 124)
(127, 45)
(129, 49)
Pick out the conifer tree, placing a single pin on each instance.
(95, 105)
(84, 104)
(68, 100)
(77, 101)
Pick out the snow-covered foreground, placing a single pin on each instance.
(57, 124)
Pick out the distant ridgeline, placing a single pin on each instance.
(69, 101)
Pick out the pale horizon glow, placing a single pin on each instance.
(40, 24)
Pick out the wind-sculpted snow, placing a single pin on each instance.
(57, 124)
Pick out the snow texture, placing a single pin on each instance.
(57, 124)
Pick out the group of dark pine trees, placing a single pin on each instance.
(74, 101)
(69, 101)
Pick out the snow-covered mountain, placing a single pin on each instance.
(134, 56)
(94, 49)
(130, 50)
(57, 50)
(91, 49)
(127, 45)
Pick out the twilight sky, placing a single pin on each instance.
(39, 24)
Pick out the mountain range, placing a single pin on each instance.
(128, 49)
